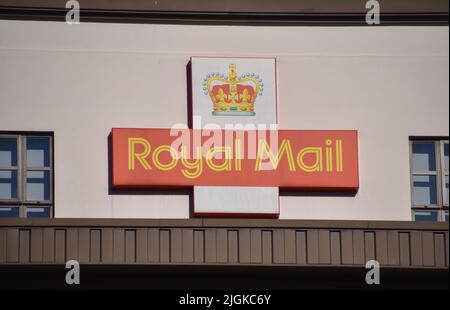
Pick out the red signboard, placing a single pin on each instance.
(301, 159)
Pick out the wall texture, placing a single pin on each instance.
(79, 81)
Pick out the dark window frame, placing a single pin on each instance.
(22, 169)
(440, 174)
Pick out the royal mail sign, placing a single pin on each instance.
(233, 156)
(301, 159)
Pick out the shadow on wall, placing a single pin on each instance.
(316, 193)
(190, 115)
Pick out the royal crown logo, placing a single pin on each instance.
(233, 95)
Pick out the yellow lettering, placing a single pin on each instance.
(328, 156)
(285, 147)
(169, 165)
(226, 165)
(132, 142)
(339, 161)
(196, 165)
(237, 155)
(317, 166)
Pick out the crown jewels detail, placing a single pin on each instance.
(232, 94)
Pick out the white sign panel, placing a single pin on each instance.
(234, 91)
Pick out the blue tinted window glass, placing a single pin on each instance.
(8, 184)
(38, 151)
(424, 156)
(9, 211)
(422, 216)
(38, 212)
(8, 152)
(425, 190)
(446, 157)
(446, 191)
(38, 185)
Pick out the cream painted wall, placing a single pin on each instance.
(81, 80)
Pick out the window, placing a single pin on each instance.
(429, 179)
(26, 175)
